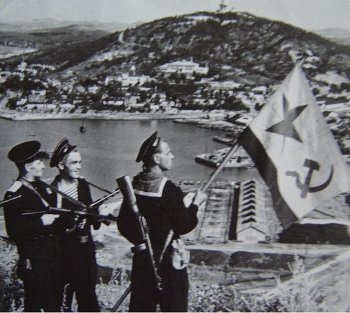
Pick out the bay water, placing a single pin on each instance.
(109, 148)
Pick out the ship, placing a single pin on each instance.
(213, 159)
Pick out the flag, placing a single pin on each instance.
(294, 150)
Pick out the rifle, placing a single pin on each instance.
(9, 200)
(98, 202)
(129, 195)
(94, 185)
(84, 213)
(79, 204)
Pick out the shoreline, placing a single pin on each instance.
(16, 116)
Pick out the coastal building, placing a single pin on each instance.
(224, 85)
(66, 106)
(116, 103)
(41, 107)
(188, 68)
(37, 96)
(251, 219)
(130, 100)
(127, 80)
(21, 102)
(214, 220)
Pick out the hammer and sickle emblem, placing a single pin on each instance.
(305, 187)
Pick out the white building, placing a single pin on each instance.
(37, 96)
(41, 106)
(127, 80)
(184, 67)
(66, 106)
(224, 85)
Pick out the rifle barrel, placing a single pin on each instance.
(98, 202)
(9, 200)
(54, 210)
(94, 185)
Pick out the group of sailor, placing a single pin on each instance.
(51, 223)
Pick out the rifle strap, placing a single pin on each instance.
(68, 198)
(27, 184)
(166, 244)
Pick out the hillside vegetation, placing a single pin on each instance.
(235, 45)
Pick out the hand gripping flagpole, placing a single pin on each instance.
(212, 176)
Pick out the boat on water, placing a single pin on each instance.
(239, 160)
(224, 140)
(82, 127)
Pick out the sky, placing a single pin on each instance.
(307, 14)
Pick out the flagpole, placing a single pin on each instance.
(221, 166)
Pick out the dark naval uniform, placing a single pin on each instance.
(161, 203)
(78, 261)
(37, 247)
(36, 244)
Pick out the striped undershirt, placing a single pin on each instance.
(71, 192)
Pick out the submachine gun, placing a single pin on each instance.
(82, 210)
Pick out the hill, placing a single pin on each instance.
(239, 52)
(51, 37)
(234, 45)
(49, 34)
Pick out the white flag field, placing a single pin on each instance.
(294, 150)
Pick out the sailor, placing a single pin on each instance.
(78, 261)
(31, 229)
(161, 203)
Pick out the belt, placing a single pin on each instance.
(74, 239)
(83, 239)
(137, 248)
(43, 236)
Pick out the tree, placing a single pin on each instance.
(12, 103)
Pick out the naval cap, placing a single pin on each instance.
(27, 152)
(62, 149)
(148, 148)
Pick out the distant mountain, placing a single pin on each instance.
(338, 35)
(235, 45)
(48, 38)
(47, 33)
(44, 24)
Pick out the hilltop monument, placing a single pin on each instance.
(222, 7)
